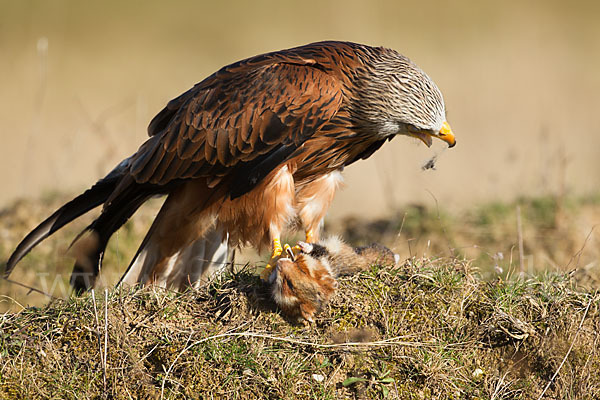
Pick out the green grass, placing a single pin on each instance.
(427, 328)
(459, 323)
(554, 230)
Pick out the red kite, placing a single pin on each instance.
(252, 147)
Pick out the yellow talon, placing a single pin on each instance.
(264, 275)
(277, 249)
(289, 252)
(296, 250)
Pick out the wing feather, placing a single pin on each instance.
(255, 114)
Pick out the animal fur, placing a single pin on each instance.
(301, 287)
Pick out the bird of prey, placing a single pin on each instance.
(256, 145)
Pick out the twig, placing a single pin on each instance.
(499, 385)
(569, 351)
(147, 354)
(31, 289)
(439, 218)
(14, 302)
(396, 241)
(162, 385)
(98, 330)
(520, 238)
(105, 335)
(395, 341)
(580, 251)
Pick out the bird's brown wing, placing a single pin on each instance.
(240, 123)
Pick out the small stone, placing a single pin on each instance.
(318, 377)
(477, 373)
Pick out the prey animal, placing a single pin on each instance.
(302, 284)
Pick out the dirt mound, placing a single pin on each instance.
(429, 328)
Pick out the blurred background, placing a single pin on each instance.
(80, 81)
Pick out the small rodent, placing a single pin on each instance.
(302, 286)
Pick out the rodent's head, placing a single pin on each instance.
(301, 287)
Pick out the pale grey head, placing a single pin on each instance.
(395, 97)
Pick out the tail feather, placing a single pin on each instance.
(91, 250)
(138, 265)
(192, 266)
(80, 205)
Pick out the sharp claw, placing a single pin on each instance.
(304, 247)
(289, 251)
(296, 250)
(277, 252)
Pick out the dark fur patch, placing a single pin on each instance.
(319, 251)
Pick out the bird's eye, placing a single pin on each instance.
(412, 128)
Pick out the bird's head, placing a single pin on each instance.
(395, 97)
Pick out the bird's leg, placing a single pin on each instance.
(313, 200)
(311, 237)
(277, 250)
(276, 202)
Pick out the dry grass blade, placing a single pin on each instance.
(105, 358)
(101, 353)
(587, 308)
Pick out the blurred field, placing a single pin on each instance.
(80, 81)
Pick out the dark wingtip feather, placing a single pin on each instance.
(81, 204)
(42, 231)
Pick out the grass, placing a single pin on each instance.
(554, 230)
(427, 328)
(451, 322)
(48, 267)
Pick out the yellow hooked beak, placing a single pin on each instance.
(446, 135)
